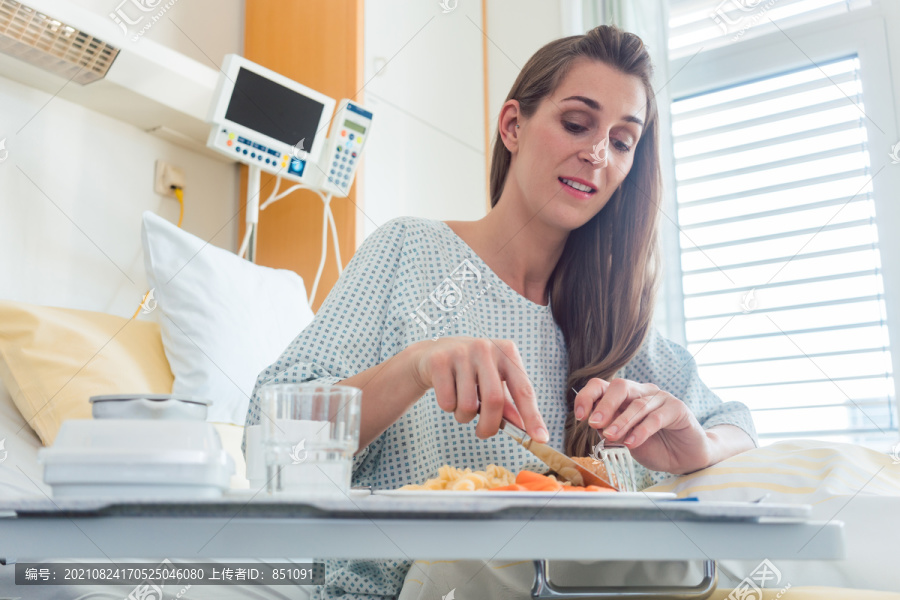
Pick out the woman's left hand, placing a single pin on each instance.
(659, 429)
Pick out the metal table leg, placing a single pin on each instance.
(544, 589)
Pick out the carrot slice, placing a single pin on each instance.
(537, 486)
(509, 488)
(526, 477)
(597, 488)
(574, 488)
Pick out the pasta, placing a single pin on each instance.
(497, 478)
(451, 478)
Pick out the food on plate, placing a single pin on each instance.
(451, 478)
(555, 460)
(562, 468)
(594, 466)
(497, 478)
(528, 481)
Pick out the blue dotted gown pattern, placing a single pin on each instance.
(415, 279)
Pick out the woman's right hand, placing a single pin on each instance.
(468, 377)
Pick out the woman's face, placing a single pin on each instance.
(586, 131)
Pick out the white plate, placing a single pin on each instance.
(253, 492)
(531, 495)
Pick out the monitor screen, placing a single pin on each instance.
(354, 126)
(262, 105)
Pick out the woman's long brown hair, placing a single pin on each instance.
(604, 286)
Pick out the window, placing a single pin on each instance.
(781, 270)
(699, 24)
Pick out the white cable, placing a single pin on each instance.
(324, 249)
(287, 192)
(334, 237)
(244, 244)
(299, 186)
(329, 215)
(271, 197)
(327, 221)
(284, 194)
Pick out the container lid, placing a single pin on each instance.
(158, 397)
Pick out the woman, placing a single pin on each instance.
(552, 290)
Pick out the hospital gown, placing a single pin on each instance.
(415, 279)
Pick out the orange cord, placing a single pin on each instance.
(144, 299)
(179, 193)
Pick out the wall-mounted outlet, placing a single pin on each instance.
(167, 176)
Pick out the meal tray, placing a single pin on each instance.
(258, 504)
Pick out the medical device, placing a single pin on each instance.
(139, 446)
(349, 132)
(265, 119)
(274, 124)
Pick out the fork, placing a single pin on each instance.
(617, 460)
(619, 464)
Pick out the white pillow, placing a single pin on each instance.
(223, 319)
(802, 471)
(842, 482)
(20, 473)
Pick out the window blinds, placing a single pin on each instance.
(783, 297)
(704, 24)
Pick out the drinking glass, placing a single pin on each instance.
(310, 432)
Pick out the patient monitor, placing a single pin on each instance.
(274, 124)
(264, 119)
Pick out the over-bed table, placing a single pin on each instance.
(374, 526)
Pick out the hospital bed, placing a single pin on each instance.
(831, 518)
(838, 527)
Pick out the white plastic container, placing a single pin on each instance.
(137, 459)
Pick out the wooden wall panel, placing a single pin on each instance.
(320, 44)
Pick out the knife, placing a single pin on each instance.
(562, 465)
(566, 468)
